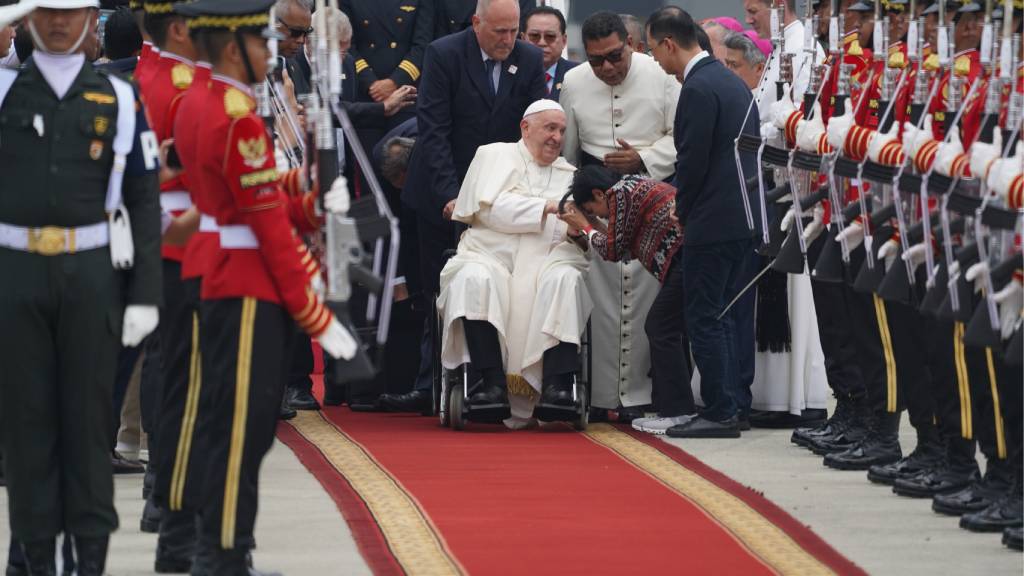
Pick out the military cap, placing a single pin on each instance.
(969, 6)
(933, 8)
(67, 4)
(895, 6)
(159, 7)
(862, 6)
(231, 15)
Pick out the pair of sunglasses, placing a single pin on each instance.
(296, 32)
(535, 37)
(598, 60)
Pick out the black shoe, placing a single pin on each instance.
(1013, 538)
(871, 452)
(147, 481)
(598, 415)
(334, 394)
(700, 427)
(1007, 512)
(151, 514)
(909, 466)
(556, 393)
(168, 564)
(626, 414)
(300, 399)
(415, 401)
(489, 395)
(942, 480)
(286, 412)
(40, 557)
(743, 423)
(91, 554)
(807, 418)
(123, 465)
(974, 497)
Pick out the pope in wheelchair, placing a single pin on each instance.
(514, 301)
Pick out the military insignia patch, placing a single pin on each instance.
(96, 149)
(181, 76)
(236, 104)
(101, 124)
(408, 8)
(99, 98)
(253, 151)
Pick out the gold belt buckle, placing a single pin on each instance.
(48, 241)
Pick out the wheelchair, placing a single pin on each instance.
(452, 388)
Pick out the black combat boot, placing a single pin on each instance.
(1013, 538)
(148, 480)
(926, 455)
(835, 423)
(856, 429)
(40, 557)
(1007, 512)
(92, 554)
(881, 446)
(957, 470)
(979, 495)
(150, 522)
(176, 546)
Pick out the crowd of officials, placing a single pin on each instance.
(693, 335)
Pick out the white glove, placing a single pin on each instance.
(816, 226)
(1010, 300)
(913, 138)
(887, 253)
(954, 268)
(280, 160)
(139, 321)
(808, 133)
(337, 341)
(1004, 171)
(976, 274)
(880, 140)
(946, 153)
(838, 128)
(916, 254)
(853, 234)
(316, 284)
(337, 200)
(983, 153)
(781, 110)
(768, 131)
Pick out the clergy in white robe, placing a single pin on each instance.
(515, 268)
(632, 108)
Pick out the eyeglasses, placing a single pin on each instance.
(535, 37)
(615, 56)
(296, 32)
(650, 49)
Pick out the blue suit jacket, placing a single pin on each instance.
(456, 114)
(560, 70)
(709, 117)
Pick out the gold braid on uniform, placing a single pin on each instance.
(230, 22)
(158, 7)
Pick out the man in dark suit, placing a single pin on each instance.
(545, 29)
(475, 87)
(717, 237)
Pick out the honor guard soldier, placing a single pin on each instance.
(79, 236)
(150, 53)
(258, 284)
(388, 41)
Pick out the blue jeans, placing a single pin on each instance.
(710, 273)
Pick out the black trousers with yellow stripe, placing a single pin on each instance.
(990, 382)
(245, 345)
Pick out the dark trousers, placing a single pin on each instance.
(743, 317)
(434, 241)
(246, 352)
(709, 283)
(58, 354)
(666, 334)
(951, 389)
(424, 374)
(874, 351)
(182, 385)
(910, 329)
(301, 365)
(991, 381)
(833, 306)
(485, 354)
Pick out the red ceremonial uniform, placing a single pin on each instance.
(147, 65)
(171, 78)
(261, 255)
(1017, 84)
(860, 59)
(203, 245)
(967, 65)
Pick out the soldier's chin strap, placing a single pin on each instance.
(240, 39)
(40, 45)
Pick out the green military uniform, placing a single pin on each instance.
(62, 300)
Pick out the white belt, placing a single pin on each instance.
(176, 201)
(53, 240)
(238, 236)
(207, 223)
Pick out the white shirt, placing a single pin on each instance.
(793, 43)
(496, 73)
(640, 110)
(59, 71)
(11, 60)
(693, 62)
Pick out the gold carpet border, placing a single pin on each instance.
(776, 549)
(409, 534)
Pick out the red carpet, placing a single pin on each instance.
(421, 499)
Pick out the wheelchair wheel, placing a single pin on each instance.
(456, 407)
(582, 407)
(445, 405)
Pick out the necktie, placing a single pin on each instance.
(547, 80)
(489, 67)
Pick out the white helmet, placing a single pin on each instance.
(14, 12)
(67, 4)
(61, 5)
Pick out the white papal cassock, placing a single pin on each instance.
(641, 110)
(514, 268)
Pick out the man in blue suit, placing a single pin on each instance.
(476, 84)
(717, 232)
(545, 29)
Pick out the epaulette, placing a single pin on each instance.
(181, 76)
(931, 63)
(897, 59)
(237, 104)
(962, 65)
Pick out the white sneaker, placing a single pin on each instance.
(660, 425)
(638, 422)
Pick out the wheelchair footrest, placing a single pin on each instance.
(488, 412)
(556, 412)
